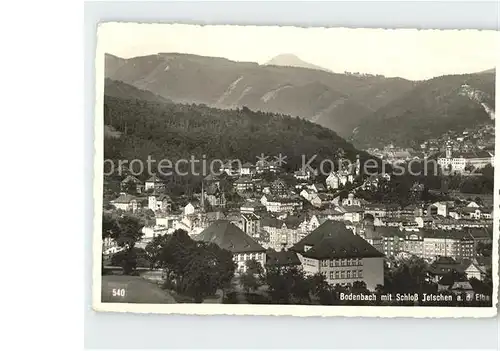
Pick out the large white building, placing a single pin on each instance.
(458, 161)
(341, 256)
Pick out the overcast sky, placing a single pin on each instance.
(406, 53)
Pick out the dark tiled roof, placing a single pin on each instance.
(124, 199)
(269, 221)
(293, 222)
(153, 179)
(282, 258)
(319, 186)
(373, 232)
(211, 177)
(444, 234)
(333, 240)
(131, 178)
(229, 237)
(481, 233)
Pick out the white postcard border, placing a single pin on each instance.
(266, 310)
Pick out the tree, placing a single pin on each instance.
(125, 230)
(287, 284)
(251, 279)
(320, 289)
(130, 187)
(130, 231)
(153, 249)
(409, 276)
(196, 269)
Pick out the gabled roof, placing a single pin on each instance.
(269, 221)
(319, 186)
(250, 216)
(252, 204)
(163, 197)
(376, 232)
(248, 165)
(228, 236)
(211, 177)
(243, 180)
(333, 240)
(131, 178)
(153, 179)
(123, 199)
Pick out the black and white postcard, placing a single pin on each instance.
(259, 170)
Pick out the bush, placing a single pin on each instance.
(230, 298)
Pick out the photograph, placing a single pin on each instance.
(303, 171)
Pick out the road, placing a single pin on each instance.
(132, 289)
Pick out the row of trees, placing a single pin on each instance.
(193, 268)
(174, 131)
(290, 285)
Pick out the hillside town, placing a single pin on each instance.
(474, 147)
(328, 225)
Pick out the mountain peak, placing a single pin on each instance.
(291, 60)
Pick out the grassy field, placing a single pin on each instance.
(132, 289)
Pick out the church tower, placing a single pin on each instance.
(202, 200)
(448, 151)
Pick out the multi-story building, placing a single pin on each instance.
(414, 243)
(439, 243)
(243, 184)
(125, 202)
(280, 204)
(472, 239)
(341, 256)
(250, 223)
(458, 161)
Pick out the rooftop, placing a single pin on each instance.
(333, 240)
(229, 237)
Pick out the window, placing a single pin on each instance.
(354, 275)
(324, 263)
(348, 274)
(331, 275)
(348, 262)
(337, 262)
(342, 275)
(360, 274)
(343, 263)
(332, 263)
(337, 275)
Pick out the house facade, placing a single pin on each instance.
(341, 256)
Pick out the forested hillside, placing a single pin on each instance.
(334, 100)
(433, 107)
(174, 131)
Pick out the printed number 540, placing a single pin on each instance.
(118, 292)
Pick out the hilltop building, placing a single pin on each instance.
(458, 161)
